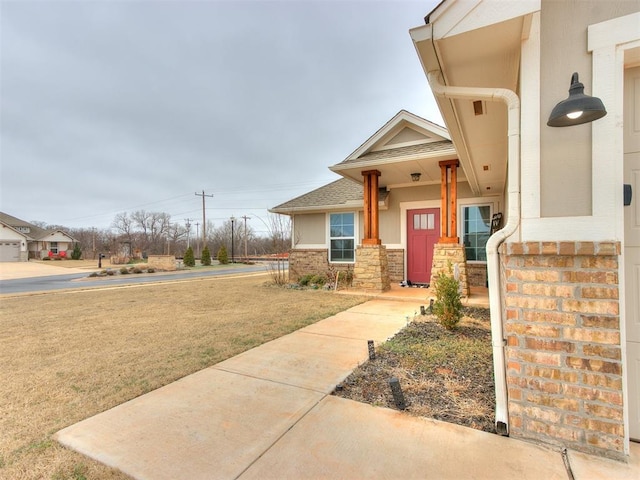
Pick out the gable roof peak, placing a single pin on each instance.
(423, 131)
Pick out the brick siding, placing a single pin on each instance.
(312, 262)
(563, 353)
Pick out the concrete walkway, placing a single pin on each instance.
(267, 414)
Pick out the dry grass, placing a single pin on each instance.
(68, 356)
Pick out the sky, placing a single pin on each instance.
(115, 106)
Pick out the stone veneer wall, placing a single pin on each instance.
(307, 261)
(395, 262)
(371, 272)
(312, 262)
(477, 274)
(564, 356)
(443, 253)
(162, 262)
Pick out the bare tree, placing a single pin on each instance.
(123, 224)
(154, 229)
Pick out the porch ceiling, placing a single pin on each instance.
(396, 172)
(486, 57)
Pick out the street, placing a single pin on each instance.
(83, 281)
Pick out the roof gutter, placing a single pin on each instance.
(513, 221)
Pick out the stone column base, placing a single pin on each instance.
(371, 271)
(454, 253)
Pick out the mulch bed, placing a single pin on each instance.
(446, 375)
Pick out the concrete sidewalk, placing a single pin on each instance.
(267, 413)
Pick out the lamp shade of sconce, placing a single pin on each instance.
(576, 109)
(415, 177)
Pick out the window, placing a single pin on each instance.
(342, 237)
(54, 248)
(424, 221)
(476, 228)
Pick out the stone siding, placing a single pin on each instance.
(454, 253)
(477, 274)
(563, 353)
(371, 272)
(162, 262)
(395, 261)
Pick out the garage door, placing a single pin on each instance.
(9, 251)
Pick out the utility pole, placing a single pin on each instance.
(197, 241)
(204, 220)
(245, 218)
(233, 219)
(187, 222)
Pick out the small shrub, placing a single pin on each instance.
(448, 304)
(318, 280)
(278, 272)
(223, 257)
(151, 270)
(305, 280)
(110, 272)
(124, 271)
(189, 259)
(206, 256)
(137, 270)
(93, 274)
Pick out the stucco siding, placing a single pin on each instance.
(309, 229)
(565, 153)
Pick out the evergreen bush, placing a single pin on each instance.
(448, 304)
(77, 252)
(206, 256)
(189, 259)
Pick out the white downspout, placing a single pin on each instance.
(512, 222)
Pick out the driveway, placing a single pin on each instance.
(15, 270)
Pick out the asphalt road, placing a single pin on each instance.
(82, 280)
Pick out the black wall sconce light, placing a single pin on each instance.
(415, 177)
(576, 109)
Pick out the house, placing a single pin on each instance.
(564, 271)
(403, 166)
(20, 241)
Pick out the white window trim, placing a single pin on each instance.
(461, 223)
(356, 231)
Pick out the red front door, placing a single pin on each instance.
(423, 232)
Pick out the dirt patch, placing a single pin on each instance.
(66, 356)
(443, 375)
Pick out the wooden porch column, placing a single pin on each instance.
(449, 202)
(371, 222)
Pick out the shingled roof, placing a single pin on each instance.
(341, 193)
(420, 149)
(29, 230)
(34, 232)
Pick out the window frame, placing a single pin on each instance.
(330, 238)
(463, 231)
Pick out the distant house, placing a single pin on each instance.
(411, 168)
(21, 240)
(564, 271)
